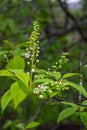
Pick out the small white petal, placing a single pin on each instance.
(28, 73)
(41, 96)
(33, 70)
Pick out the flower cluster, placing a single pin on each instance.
(32, 51)
(31, 55)
(63, 85)
(32, 48)
(41, 89)
(63, 60)
(44, 88)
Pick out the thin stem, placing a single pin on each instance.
(32, 64)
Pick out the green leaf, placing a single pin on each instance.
(43, 80)
(18, 51)
(3, 52)
(78, 87)
(84, 70)
(5, 73)
(53, 94)
(83, 116)
(33, 124)
(20, 126)
(6, 98)
(7, 124)
(9, 44)
(66, 113)
(67, 75)
(84, 102)
(17, 93)
(40, 71)
(69, 104)
(40, 76)
(20, 45)
(21, 75)
(16, 63)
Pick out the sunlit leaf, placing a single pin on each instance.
(17, 93)
(16, 63)
(67, 75)
(6, 98)
(21, 75)
(78, 87)
(43, 80)
(5, 73)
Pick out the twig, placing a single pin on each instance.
(70, 15)
(60, 100)
(37, 112)
(67, 30)
(52, 14)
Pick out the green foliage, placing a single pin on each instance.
(21, 75)
(16, 63)
(67, 75)
(5, 100)
(83, 116)
(66, 113)
(18, 93)
(85, 71)
(30, 82)
(78, 87)
(32, 124)
(70, 104)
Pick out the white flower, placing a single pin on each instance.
(28, 73)
(46, 87)
(36, 90)
(26, 55)
(33, 70)
(41, 96)
(5, 56)
(42, 88)
(28, 62)
(37, 61)
(38, 86)
(35, 76)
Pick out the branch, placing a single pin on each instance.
(52, 14)
(71, 27)
(60, 99)
(70, 15)
(37, 112)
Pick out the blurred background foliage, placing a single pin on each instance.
(63, 28)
